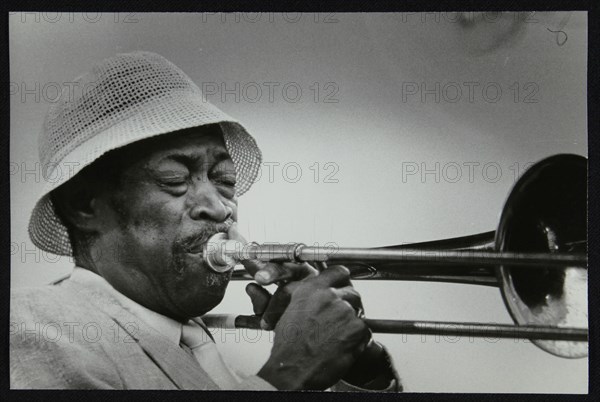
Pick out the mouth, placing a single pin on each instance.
(197, 244)
(197, 248)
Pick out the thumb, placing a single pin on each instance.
(234, 234)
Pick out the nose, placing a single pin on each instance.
(207, 204)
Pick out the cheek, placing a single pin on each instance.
(155, 212)
(152, 228)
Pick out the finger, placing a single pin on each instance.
(252, 266)
(335, 276)
(320, 265)
(350, 295)
(277, 306)
(259, 296)
(288, 271)
(234, 234)
(365, 343)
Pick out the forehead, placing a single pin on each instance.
(196, 144)
(193, 145)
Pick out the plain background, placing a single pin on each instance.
(359, 123)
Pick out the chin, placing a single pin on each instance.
(205, 303)
(207, 298)
(205, 289)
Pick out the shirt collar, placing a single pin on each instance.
(166, 326)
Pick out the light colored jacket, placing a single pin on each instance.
(69, 336)
(72, 336)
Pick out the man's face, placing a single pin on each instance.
(175, 192)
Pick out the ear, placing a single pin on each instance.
(78, 204)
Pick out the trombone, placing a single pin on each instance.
(537, 257)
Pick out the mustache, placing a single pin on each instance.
(195, 242)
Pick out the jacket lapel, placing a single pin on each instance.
(180, 367)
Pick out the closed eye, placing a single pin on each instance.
(224, 174)
(227, 181)
(176, 184)
(174, 181)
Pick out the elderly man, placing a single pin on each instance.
(159, 171)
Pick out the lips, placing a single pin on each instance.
(197, 246)
(196, 249)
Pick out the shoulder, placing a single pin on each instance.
(45, 304)
(40, 298)
(56, 340)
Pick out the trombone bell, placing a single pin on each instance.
(546, 212)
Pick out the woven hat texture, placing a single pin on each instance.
(126, 98)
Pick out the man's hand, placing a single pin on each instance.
(372, 368)
(318, 336)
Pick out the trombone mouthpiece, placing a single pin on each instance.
(219, 253)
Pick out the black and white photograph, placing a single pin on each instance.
(388, 202)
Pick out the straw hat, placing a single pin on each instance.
(126, 98)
